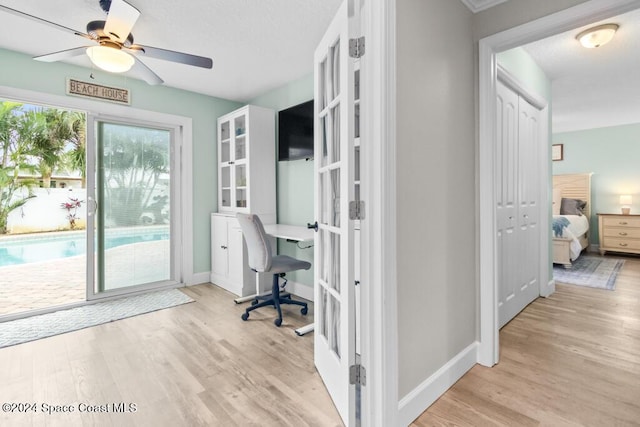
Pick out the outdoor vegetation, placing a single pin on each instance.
(136, 171)
(35, 142)
(38, 142)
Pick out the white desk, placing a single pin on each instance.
(295, 233)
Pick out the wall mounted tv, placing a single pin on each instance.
(295, 132)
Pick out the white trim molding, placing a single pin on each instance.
(514, 83)
(580, 15)
(414, 403)
(300, 290)
(379, 320)
(199, 278)
(476, 6)
(549, 289)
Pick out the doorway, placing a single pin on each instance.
(488, 352)
(123, 200)
(131, 196)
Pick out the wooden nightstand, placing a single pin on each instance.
(619, 233)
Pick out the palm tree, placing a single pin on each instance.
(134, 162)
(17, 133)
(51, 144)
(76, 157)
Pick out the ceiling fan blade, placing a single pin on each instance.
(146, 73)
(121, 19)
(63, 54)
(173, 56)
(44, 21)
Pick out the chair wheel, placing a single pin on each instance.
(254, 302)
(304, 311)
(244, 316)
(278, 322)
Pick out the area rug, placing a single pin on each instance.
(591, 271)
(62, 321)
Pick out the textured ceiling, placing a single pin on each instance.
(256, 45)
(593, 88)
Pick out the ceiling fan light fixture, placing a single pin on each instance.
(110, 59)
(597, 36)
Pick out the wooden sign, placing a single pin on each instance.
(96, 91)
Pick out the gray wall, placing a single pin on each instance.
(435, 186)
(516, 12)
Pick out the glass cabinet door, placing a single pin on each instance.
(233, 165)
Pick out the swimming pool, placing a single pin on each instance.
(50, 246)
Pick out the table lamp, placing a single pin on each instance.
(625, 201)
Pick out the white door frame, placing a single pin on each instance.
(176, 210)
(565, 20)
(183, 132)
(378, 190)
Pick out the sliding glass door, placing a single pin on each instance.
(131, 207)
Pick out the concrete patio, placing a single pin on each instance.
(52, 283)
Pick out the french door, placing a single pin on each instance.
(334, 287)
(131, 204)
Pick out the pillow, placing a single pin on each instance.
(557, 199)
(572, 206)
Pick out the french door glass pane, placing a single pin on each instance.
(133, 184)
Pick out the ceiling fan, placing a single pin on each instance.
(113, 49)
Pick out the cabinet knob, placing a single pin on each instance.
(623, 222)
(622, 233)
(623, 244)
(223, 247)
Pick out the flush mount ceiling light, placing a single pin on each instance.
(597, 36)
(110, 59)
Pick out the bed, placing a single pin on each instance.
(571, 216)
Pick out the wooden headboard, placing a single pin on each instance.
(575, 186)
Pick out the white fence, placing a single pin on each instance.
(45, 212)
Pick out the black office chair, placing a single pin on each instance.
(262, 261)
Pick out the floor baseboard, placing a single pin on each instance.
(419, 399)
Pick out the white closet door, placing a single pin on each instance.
(517, 203)
(528, 286)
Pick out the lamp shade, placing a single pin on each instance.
(110, 59)
(626, 199)
(597, 36)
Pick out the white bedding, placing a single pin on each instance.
(578, 225)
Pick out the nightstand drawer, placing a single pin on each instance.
(612, 243)
(621, 232)
(617, 221)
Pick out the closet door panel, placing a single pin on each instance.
(507, 199)
(529, 177)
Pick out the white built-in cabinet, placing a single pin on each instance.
(247, 161)
(229, 268)
(517, 202)
(246, 183)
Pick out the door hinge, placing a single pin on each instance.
(356, 209)
(356, 47)
(357, 375)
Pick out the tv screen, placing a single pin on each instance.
(295, 132)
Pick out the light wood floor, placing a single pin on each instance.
(197, 364)
(572, 359)
(569, 360)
